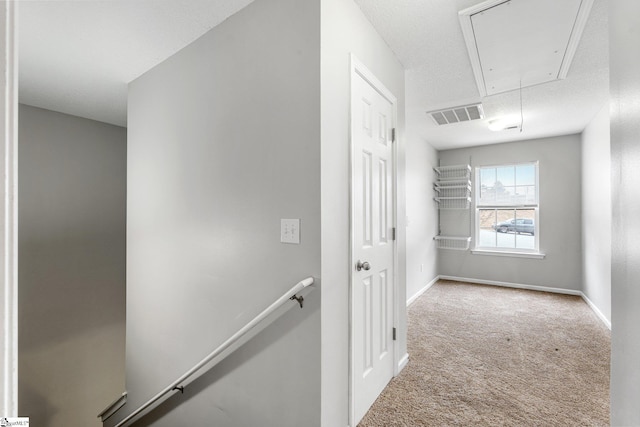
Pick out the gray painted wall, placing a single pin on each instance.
(559, 224)
(422, 215)
(624, 41)
(596, 212)
(72, 184)
(345, 30)
(224, 141)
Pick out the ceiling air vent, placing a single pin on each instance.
(457, 114)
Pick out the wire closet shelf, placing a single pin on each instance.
(454, 243)
(453, 187)
(453, 191)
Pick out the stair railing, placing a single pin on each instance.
(178, 384)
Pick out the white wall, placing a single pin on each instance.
(71, 267)
(224, 141)
(8, 212)
(596, 212)
(559, 223)
(345, 30)
(624, 40)
(422, 215)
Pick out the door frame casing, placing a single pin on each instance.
(359, 70)
(9, 214)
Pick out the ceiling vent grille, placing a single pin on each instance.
(463, 113)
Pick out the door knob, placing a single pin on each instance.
(362, 265)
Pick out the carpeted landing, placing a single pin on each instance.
(490, 356)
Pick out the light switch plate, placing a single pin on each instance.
(290, 231)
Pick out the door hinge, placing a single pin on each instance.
(394, 334)
(393, 233)
(393, 135)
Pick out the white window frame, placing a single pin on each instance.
(503, 251)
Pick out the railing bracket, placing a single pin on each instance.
(300, 299)
(181, 388)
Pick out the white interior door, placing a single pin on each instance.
(372, 282)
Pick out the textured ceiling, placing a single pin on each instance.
(427, 39)
(78, 56)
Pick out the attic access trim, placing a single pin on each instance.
(520, 43)
(463, 113)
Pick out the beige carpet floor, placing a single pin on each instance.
(489, 356)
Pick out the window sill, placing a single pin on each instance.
(534, 255)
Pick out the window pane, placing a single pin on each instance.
(526, 174)
(505, 194)
(526, 194)
(506, 176)
(512, 185)
(506, 228)
(487, 196)
(487, 184)
(504, 225)
(488, 177)
(486, 221)
(525, 229)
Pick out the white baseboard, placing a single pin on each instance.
(591, 305)
(513, 285)
(422, 291)
(596, 310)
(403, 362)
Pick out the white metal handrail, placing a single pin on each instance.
(175, 385)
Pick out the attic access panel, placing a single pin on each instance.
(522, 42)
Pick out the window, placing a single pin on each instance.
(507, 208)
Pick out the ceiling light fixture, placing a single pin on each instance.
(505, 123)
